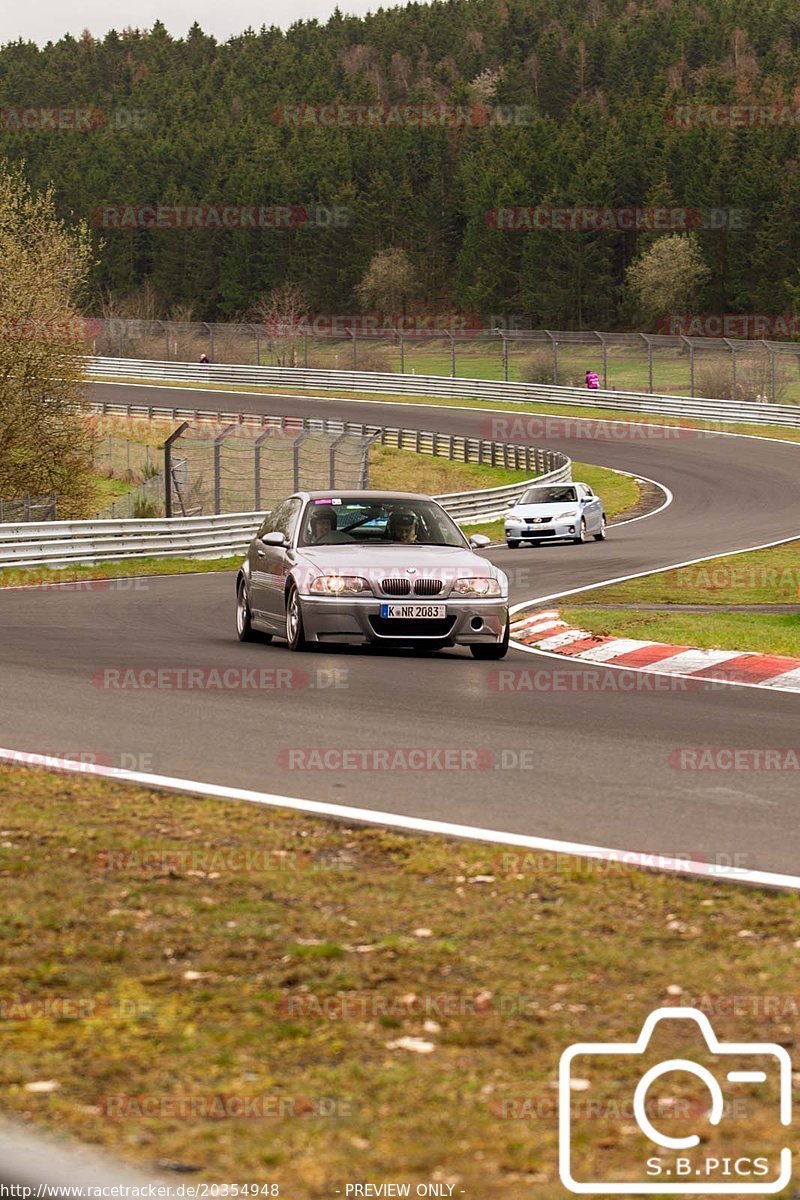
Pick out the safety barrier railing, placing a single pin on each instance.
(62, 543)
(704, 408)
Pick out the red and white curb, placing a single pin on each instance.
(544, 630)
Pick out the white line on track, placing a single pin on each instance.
(654, 860)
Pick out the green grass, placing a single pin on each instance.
(404, 470)
(765, 633)
(107, 489)
(770, 576)
(204, 974)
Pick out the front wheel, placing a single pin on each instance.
(512, 545)
(491, 650)
(582, 537)
(295, 633)
(600, 536)
(244, 622)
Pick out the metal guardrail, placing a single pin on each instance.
(703, 408)
(62, 543)
(732, 347)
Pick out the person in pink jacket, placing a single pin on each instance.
(592, 379)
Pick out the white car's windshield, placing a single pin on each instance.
(554, 494)
(339, 521)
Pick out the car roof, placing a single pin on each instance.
(569, 483)
(361, 494)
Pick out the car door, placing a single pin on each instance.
(592, 509)
(277, 561)
(256, 557)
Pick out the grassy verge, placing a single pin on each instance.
(760, 577)
(539, 408)
(770, 576)
(404, 470)
(191, 952)
(123, 569)
(767, 633)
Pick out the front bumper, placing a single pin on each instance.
(551, 531)
(356, 620)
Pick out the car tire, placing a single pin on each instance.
(244, 618)
(512, 545)
(582, 536)
(491, 651)
(295, 633)
(601, 535)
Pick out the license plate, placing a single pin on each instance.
(399, 611)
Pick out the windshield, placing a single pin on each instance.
(554, 494)
(344, 520)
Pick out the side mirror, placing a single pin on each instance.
(274, 539)
(479, 540)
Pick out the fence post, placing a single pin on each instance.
(173, 437)
(257, 467)
(332, 458)
(217, 468)
(605, 359)
(690, 345)
(504, 340)
(402, 353)
(732, 349)
(649, 345)
(554, 341)
(298, 441)
(771, 353)
(452, 354)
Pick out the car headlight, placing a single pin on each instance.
(340, 585)
(568, 512)
(477, 586)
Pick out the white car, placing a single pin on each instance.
(551, 511)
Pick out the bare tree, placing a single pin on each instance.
(388, 283)
(284, 315)
(668, 276)
(45, 439)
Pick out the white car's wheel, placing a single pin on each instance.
(600, 536)
(582, 536)
(512, 544)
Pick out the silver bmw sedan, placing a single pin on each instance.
(366, 566)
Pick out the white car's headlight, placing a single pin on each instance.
(340, 585)
(568, 512)
(477, 586)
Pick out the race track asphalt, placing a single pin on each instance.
(583, 754)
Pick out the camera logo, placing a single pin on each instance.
(740, 1081)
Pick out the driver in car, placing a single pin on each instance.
(402, 526)
(322, 523)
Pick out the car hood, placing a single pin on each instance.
(383, 562)
(542, 510)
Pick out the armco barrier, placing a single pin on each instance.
(437, 385)
(61, 543)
